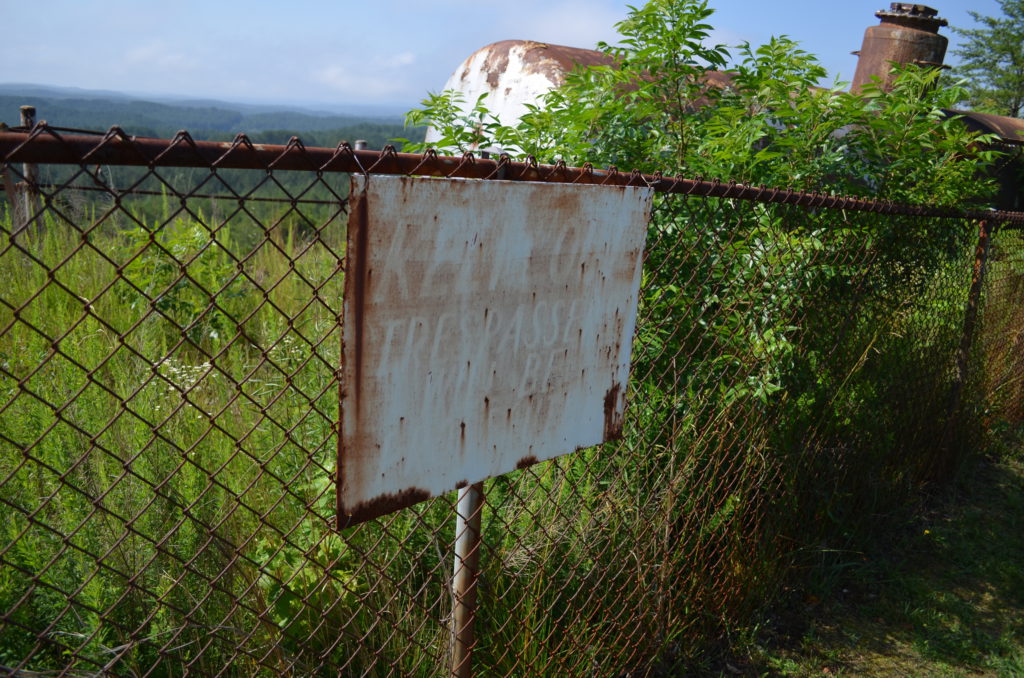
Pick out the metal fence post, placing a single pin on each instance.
(970, 322)
(464, 580)
(141, 472)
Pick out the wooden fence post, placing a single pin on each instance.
(28, 189)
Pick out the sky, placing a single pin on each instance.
(354, 53)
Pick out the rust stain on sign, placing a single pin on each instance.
(613, 413)
(358, 231)
(483, 324)
(383, 505)
(526, 462)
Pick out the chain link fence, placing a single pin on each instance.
(169, 358)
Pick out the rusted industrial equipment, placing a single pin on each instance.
(517, 73)
(514, 74)
(907, 34)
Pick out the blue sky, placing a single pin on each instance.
(347, 53)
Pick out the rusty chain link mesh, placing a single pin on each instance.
(1001, 355)
(169, 352)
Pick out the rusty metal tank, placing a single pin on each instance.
(515, 74)
(907, 34)
(1008, 170)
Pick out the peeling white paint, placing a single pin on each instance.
(487, 327)
(513, 74)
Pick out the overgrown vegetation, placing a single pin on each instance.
(174, 427)
(817, 333)
(992, 57)
(939, 596)
(664, 107)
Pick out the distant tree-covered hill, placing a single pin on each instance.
(213, 121)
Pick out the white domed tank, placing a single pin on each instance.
(513, 74)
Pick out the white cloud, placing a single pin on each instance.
(160, 55)
(366, 76)
(576, 23)
(337, 77)
(378, 78)
(400, 59)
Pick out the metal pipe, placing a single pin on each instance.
(464, 580)
(971, 313)
(967, 337)
(908, 34)
(116, 148)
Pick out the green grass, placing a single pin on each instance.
(152, 425)
(940, 596)
(168, 411)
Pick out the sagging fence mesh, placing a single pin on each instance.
(169, 360)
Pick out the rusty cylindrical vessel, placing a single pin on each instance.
(907, 34)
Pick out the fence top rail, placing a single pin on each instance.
(51, 145)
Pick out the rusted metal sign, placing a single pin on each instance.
(487, 326)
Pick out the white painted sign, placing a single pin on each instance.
(487, 326)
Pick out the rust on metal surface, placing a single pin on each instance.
(981, 253)
(908, 34)
(380, 506)
(356, 283)
(46, 145)
(482, 325)
(465, 576)
(375, 597)
(968, 335)
(552, 61)
(351, 389)
(1009, 130)
(514, 74)
(613, 413)
(526, 462)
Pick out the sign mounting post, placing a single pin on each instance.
(487, 327)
